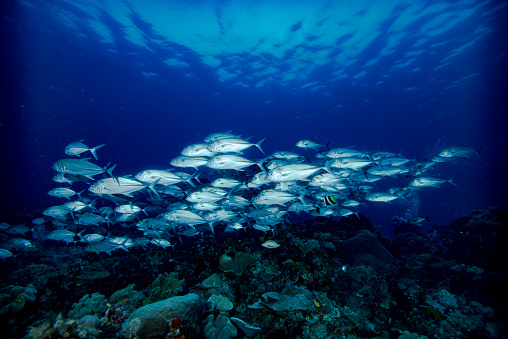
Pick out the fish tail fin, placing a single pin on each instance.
(328, 169)
(231, 191)
(110, 170)
(79, 194)
(194, 176)
(260, 164)
(245, 184)
(152, 187)
(93, 150)
(91, 205)
(258, 145)
(477, 151)
(80, 235)
(301, 197)
(452, 182)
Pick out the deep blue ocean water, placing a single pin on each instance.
(148, 79)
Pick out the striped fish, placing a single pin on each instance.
(330, 200)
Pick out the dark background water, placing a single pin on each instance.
(59, 86)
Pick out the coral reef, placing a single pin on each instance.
(220, 328)
(248, 329)
(152, 320)
(165, 286)
(14, 298)
(237, 265)
(214, 281)
(87, 327)
(93, 304)
(365, 248)
(442, 301)
(221, 302)
(127, 293)
(330, 278)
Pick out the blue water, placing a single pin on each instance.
(149, 78)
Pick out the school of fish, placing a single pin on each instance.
(213, 185)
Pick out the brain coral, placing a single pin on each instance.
(151, 320)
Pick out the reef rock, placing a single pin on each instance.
(165, 286)
(214, 281)
(366, 249)
(292, 298)
(151, 320)
(220, 328)
(249, 330)
(237, 265)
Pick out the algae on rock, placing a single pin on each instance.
(164, 286)
(237, 265)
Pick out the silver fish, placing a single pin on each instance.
(58, 212)
(457, 152)
(197, 150)
(184, 217)
(346, 152)
(183, 161)
(104, 246)
(4, 254)
(350, 163)
(162, 177)
(63, 192)
(76, 148)
(273, 197)
(81, 167)
(202, 197)
(130, 209)
(93, 237)
(380, 196)
(124, 186)
(216, 136)
(235, 145)
(89, 219)
(62, 235)
(293, 172)
(228, 161)
(312, 144)
(430, 182)
(17, 229)
(161, 243)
